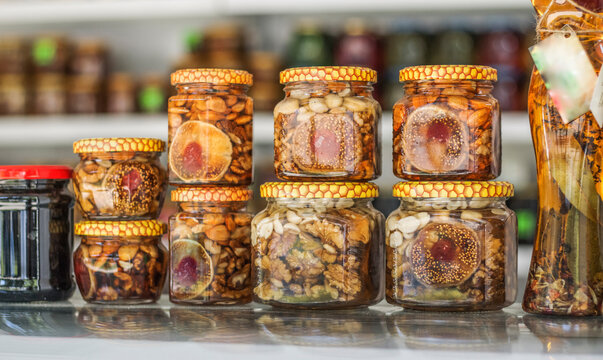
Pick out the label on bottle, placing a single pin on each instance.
(596, 104)
(567, 73)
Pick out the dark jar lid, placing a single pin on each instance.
(35, 172)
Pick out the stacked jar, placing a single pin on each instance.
(319, 242)
(452, 244)
(120, 185)
(210, 164)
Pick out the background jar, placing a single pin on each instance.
(119, 178)
(452, 246)
(210, 135)
(327, 126)
(120, 262)
(447, 124)
(36, 219)
(318, 246)
(210, 246)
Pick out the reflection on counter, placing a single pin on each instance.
(378, 327)
(344, 328)
(567, 335)
(485, 331)
(227, 325)
(148, 323)
(39, 321)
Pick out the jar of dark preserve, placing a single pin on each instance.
(35, 234)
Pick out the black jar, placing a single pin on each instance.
(35, 234)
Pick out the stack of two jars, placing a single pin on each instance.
(451, 245)
(319, 243)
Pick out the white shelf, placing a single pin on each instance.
(61, 11)
(62, 131)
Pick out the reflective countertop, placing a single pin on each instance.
(74, 329)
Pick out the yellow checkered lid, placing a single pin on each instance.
(328, 73)
(95, 145)
(331, 190)
(200, 194)
(453, 189)
(211, 76)
(120, 228)
(448, 72)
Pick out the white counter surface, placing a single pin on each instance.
(74, 330)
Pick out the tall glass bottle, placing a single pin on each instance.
(566, 273)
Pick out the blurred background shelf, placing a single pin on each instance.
(55, 11)
(61, 131)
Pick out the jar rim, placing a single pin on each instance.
(123, 144)
(211, 76)
(448, 72)
(453, 189)
(138, 228)
(210, 194)
(319, 190)
(328, 73)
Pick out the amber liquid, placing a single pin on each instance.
(566, 273)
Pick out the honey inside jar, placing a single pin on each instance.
(116, 264)
(327, 126)
(210, 128)
(447, 124)
(451, 246)
(119, 178)
(318, 246)
(210, 246)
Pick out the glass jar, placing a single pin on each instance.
(210, 247)
(318, 246)
(120, 262)
(121, 94)
(447, 124)
(90, 58)
(210, 128)
(13, 55)
(327, 127)
(49, 54)
(84, 95)
(566, 272)
(119, 178)
(49, 95)
(152, 94)
(36, 219)
(452, 246)
(13, 94)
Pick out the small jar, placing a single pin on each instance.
(210, 128)
(90, 58)
(210, 246)
(49, 96)
(120, 262)
(13, 94)
(119, 178)
(121, 94)
(49, 54)
(327, 127)
(452, 246)
(447, 124)
(36, 221)
(318, 246)
(84, 95)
